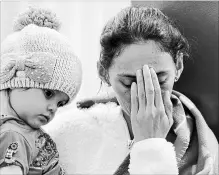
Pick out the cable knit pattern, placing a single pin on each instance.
(31, 40)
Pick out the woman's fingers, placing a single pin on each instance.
(149, 88)
(151, 113)
(168, 106)
(134, 103)
(158, 101)
(140, 90)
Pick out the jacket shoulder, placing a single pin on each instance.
(86, 139)
(83, 120)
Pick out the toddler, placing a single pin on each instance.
(39, 74)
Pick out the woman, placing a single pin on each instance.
(142, 55)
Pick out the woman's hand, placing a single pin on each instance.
(151, 115)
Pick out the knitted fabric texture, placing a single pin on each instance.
(39, 57)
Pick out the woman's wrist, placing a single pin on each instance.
(152, 156)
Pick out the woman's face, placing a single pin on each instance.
(123, 70)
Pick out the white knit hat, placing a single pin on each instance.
(38, 56)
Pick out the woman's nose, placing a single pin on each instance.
(52, 107)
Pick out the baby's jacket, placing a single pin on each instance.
(31, 149)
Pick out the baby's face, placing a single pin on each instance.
(37, 107)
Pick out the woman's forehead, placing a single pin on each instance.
(135, 56)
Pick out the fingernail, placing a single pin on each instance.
(139, 71)
(151, 68)
(146, 66)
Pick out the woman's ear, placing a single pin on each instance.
(179, 65)
(103, 74)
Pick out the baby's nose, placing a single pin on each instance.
(52, 107)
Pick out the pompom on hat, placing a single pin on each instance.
(38, 56)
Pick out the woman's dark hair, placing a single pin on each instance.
(138, 24)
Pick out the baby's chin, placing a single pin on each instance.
(37, 124)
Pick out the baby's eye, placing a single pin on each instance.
(61, 104)
(48, 93)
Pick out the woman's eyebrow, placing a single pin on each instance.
(134, 76)
(127, 75)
